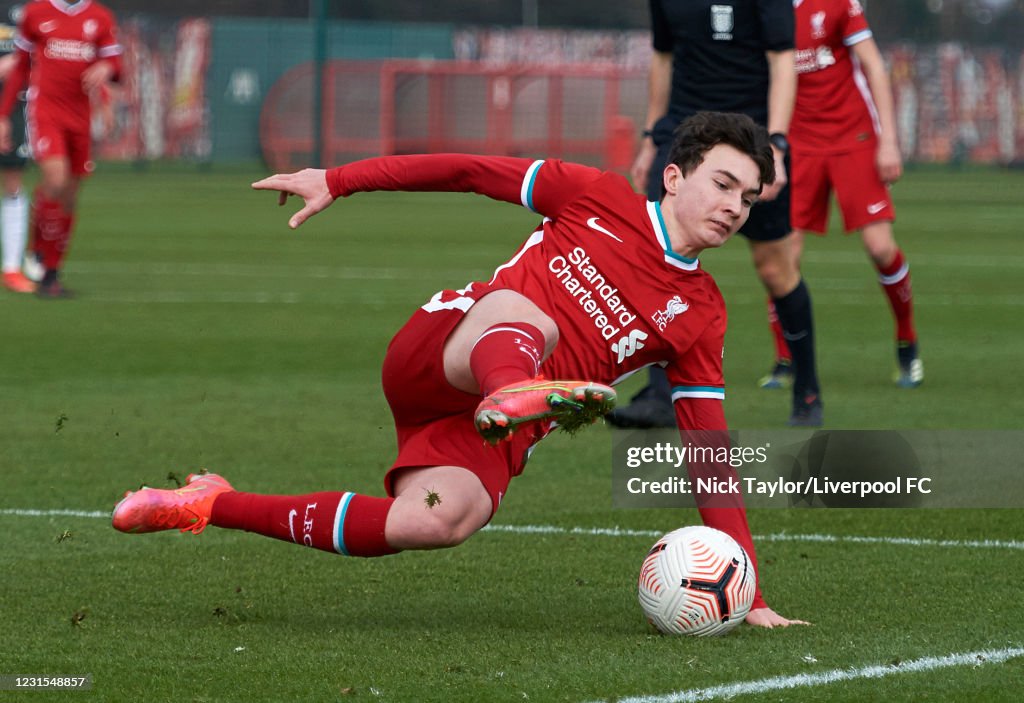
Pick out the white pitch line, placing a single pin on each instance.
(31, 512)
(774, 537)
(624, 532)
(824, 678)
(908, 541)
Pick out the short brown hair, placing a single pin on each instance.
(697, 135)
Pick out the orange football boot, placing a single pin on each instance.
(154, 509)
(572, 404)
(17, 282)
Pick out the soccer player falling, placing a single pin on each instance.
(66, 51)
(607, 284)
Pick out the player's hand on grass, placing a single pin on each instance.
(766, 617)
(310, 184)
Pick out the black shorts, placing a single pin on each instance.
(768, 221)
(18, 156)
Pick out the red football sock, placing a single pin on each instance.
(733, 522)
(67, 224)
(346, 523)
(49, 230)
(506, 353)
(781, 347)
(895, 280)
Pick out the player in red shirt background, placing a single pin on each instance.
(843, 139)
(66, 51)
(608, 284)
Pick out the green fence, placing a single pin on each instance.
(250, 55)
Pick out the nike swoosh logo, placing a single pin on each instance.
(190, 489)
(875, 208)
(291, 524)
(592, 224)
(47, 26)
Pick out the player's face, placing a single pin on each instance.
(708, 206)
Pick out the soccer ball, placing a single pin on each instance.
(696, 581)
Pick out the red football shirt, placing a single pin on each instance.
(599, 265)
(834, 110)
(63, 40)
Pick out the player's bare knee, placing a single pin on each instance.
(879, 242)
(444, 530)
(881, 251)
(778, 279)
(512, 306)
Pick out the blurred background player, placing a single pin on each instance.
(13, 203)
(735, 57)
(66, 51)
(843, 137)
(474, 361)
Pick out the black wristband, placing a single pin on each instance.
(779, 141)
(647, 134)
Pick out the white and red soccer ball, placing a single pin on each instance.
(696, 581)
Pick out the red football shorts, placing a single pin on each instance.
(433, 420)
(863, 197)
(48, 139)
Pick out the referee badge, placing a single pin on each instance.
(721, 22)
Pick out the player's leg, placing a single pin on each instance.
(504, 337)
(894, 277)
(497, 350)
(777, 269)
(434, 423)
(867, 206)
(772, 246)
(781, 375)
(809, 192)
(63, 157)
(13, 224)
(433, 507)
(51, 214)
(14, 207)
(438, 506)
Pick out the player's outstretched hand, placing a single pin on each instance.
(766, 617)
(310, 184)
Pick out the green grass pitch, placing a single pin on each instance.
(207, 334)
